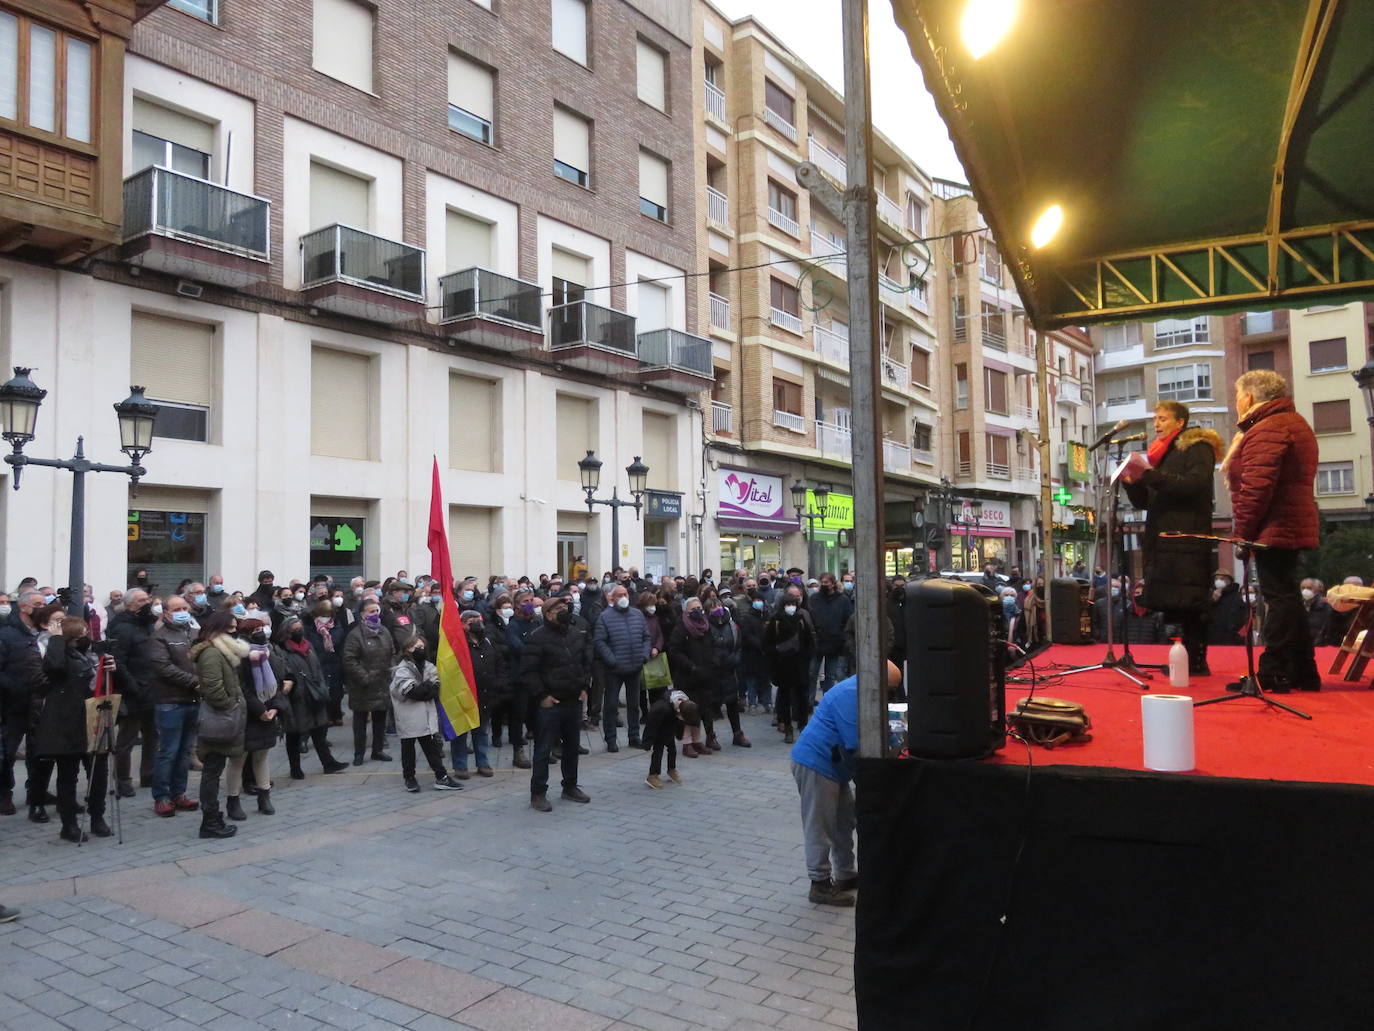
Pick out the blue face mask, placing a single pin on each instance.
(217, 588)
(467, 596)
(849, 585)
(200, 599)
(405, 596)
(239, 610)
(758, 605)
(182, 618)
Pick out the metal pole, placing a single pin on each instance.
(76, 556)
(615, 527)
(871, 625)
(1046, 501)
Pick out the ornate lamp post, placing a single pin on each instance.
(822, 495)
(638, 473)
(19, 402)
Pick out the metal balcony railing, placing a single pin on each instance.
(923, 455)
(722, 418)
(785, 320)
(895, 374)
(999, 471)
(826, 160)
(891, 291)
(167, 203)
(824, 246)
(1070, 391)
(834, 441)
(832, 346)
(965, 468)
(720, 312)
(583, 324)
(715, 101)
(1023, 411)
(896, 455)
(784, 222)
(889, 210)
(672, 348)
(789, 421)
(717, 206)
(342, 254)
(479, 291)
(780, 123)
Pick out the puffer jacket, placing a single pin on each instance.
(217, 665)
(414, 717)
(554, 663)
(829, 614)
(622, 639)
(1270, 472)
(21, 667)
(489, 667)
(129, 636)
(59, 701)
(174, 670)
(368, 659)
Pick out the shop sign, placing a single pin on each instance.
(995, 514)
(839, 511)
(1078, 462)
(328, 534)
(662, 505)
(749, 495)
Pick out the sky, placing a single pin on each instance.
(902, 109)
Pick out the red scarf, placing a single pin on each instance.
(301, 647)
(1159, 446)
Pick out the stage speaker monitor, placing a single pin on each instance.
(956, 657)
(1071, 612)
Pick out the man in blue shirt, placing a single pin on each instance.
(823, 765)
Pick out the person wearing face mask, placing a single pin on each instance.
(1108, 601)
(830, 612)
(266, 691)
(176, 690)
(424, 617)
(396, 606)
(508, 708)
(20, 666)
(129, 634)
(266, 594)
(1228, 611)
(370, 653)
(414, 687)
(1318, 612)
(219, 655)
(199, 599)
(755, 676)
(554, 667)
(623, 644)
(309, 697)
(789, 641)
(326, 632)
(699, 653)
(489, 669)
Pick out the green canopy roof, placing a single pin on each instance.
(1158, 126)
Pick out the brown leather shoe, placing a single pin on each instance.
(689, 751)
(541, 803)
(485, 771)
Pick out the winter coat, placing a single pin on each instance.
(829, 614)
(753, 662)
(518, 630)
(1228, 616)
(1177, 494)
(259, 734)
(175, 676)
(1270, 472)
(331, 662)
(414, 718)
(1319, 622)
(662, 724)
(786, 659)
(21, 667)
(622, 639)
(489, 667)
(58, 708)
(217, 665)
(425, 622)
(129, 639)
(706, 666)
(555, 663)
(368, 659)
(306, 712)
(397, 619)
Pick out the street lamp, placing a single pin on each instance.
(637, 471)
(1364, 376)
(1369, 507)
(970, 524)
(822, 497)
(918, 525)
(19, 401)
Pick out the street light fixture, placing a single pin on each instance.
(1369, 507)
(821, 495)
(1364, 376)
(19, 402)
(637, 471)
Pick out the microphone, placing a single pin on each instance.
(1130, 439)
(1106, 438)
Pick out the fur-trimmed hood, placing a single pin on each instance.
(231, 648)
(1195, 434)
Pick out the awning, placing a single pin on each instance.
(767, 527)
(983, 531)
(1207, 155)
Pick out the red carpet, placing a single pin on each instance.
(1244, 738)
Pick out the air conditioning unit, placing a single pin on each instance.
(189, 289)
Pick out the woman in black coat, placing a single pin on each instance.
(266, 688)
(1176, 491)
(58, 734)
(788, 641)
(701, 654)
(326, 632)
(309, 697)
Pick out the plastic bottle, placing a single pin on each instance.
(1178, 665)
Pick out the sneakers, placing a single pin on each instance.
(446, 783)
(674, 776)
(541, 803)
(575, 795)
(8, 915)
(653, 781)
(164, 807)
(485, 771)
(824, 893)
(742, 741)
(185, 804)
(412, 785)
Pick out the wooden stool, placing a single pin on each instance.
(1358, 642)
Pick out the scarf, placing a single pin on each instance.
(695, 622)
(324, 626)
(1159, 447)
(301, 647)
(264, 678)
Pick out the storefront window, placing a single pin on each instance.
(169, 545)
(336, 546)
(751, 553)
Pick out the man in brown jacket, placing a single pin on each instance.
(1270, 469)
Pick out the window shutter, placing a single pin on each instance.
(570, 29)
(571, 140)
(467, 242)
(473, 417)
(42, 78)
(570, 267)
(336, 196)
(1331, 416)
(653, 307)
(343, 41)
(470, 87)
(471, 540)
(78, 123)
(173, 360)
(651, 68)
(576, 423)
(1328, 354)
(167, 124)
(340, 404)
(658, 449)
(653, 179)
(9, 66)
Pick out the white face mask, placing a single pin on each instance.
(507, 613)
(5, 610)
(1252, 597)
(791, 610)
(337, 601)
(1308, 594)
(622, 603)
(1219, 584)
(157, 608)
(299, 596)
(649, 610)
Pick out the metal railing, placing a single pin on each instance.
(340, 253)
(947, 190)
(895, 374)
(717, 206)
(826, 160)
(896, 455)
(891, 291)
(923, 455)
(785, 320)
(720, 312)
(834, 441)
(479, 291)
(889, 210)
(822, 245)
(715, 101)
(831, 346)
(789, 421)
(999, 471)
(1070, 391)
(722, 418)
(784, 222)
(1026, 474)
(167, 203)
(965, 468)
(1023, 411)
(672, 348)
(780, 123)
(585, 324)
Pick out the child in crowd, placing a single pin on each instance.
(414, 686)
(669, 717)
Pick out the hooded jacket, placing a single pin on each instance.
(217, 664)
(1270, 472)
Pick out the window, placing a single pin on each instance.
(965, 449)
(960, 318)
(175, 361)
(1331, 416)
(570, 275)
(1328, 355)
(343, 42)
(1181, 332)
(780, 110)
(915, 214)
(1122, 390)
(994, 327)
(652, 305)
(787, 397)
(570, 29)
(577, 424)
(340, 381)
(782, 208)
(653, 186)
(171, 139)
(467, 242)
(992, 261)
(205, 10)
(1185, 382)
(58, 96)
(651, 75)
(572, 147)
(785, 297)
(1259, 360)
(961, 385)
(999, 455)
(474, 420)
(471, 98)
(1335, 478)
(920, 366)
(337, 197)
(920, 436)
(995, 391)
(1118, 338)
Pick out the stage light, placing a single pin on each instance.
(1047, 225)
(985, 23)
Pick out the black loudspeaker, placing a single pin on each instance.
(1071, 611)
(956, 660)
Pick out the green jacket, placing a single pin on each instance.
(217, 665)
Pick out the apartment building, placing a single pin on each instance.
(777, 312)
(334, 239)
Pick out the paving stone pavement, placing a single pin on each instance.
(361, 906)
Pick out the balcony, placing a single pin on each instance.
(720, 312)
(1115, 411)
(1070, 391)
(588, 336)
(891, 292)
(785, 222)
(789, 421)
(965, 469)
(1256, 322)
(1119, 358)
(826, 160)
(999, 471)
(923, 456)
(717, 207)
(722, 419)
(896, 456)
(897, 376)
(831, 346)
(889, 211)
(195, 229)
(834, 441)
(491, 310)
(715, 102)
(1025, 474)
(785, 320)
(351, 272)
(781, 124)
(674, 360)
(1021, 411)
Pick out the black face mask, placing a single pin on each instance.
(146, 614)
(564, 617)
(258, 637)
(479, 632)
(298, 633)
(418, 656)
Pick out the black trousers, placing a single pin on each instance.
(130, 730)
(319, 737)
(509, 712)
(669, 744)
(433, 755)
(212, 768)
(360, 721)
(69, 773)
(793, 703)
(1288, 654)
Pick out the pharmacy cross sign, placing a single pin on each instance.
(1063, 495)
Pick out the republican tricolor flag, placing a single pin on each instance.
(457, 701)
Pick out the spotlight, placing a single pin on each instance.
(1047, 225)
